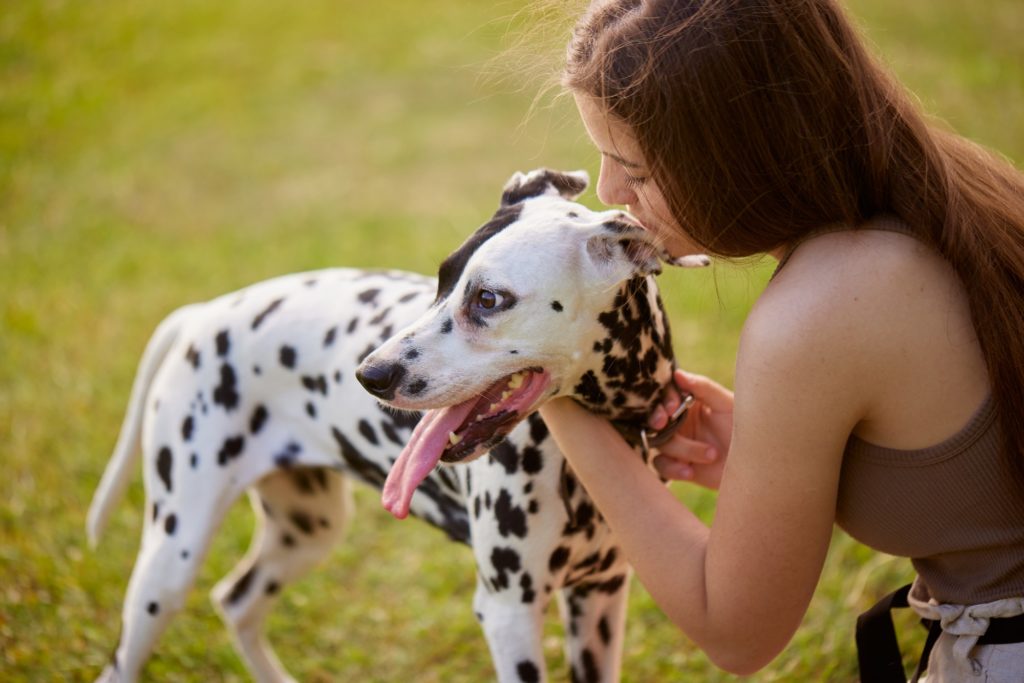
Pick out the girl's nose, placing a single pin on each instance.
(612, 188)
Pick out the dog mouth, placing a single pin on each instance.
(462, 431)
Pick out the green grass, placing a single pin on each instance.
(153, 154)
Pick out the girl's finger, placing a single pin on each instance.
(673, 469)
(707, 391)
(683, 449)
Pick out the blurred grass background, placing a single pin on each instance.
(153, 154)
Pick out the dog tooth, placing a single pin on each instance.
(505, 395)
(516, 380)
(454, 438)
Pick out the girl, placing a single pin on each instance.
(880, 376)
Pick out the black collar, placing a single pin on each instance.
(647, 438)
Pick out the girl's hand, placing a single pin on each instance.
(700, 446)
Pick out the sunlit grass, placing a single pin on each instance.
(153, 154)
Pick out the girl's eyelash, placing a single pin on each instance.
(635, 181)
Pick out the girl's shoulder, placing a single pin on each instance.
(884, 310)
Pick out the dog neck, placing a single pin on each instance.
(631, 362)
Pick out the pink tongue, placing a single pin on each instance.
(421, 455)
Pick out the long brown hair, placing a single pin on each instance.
(763, 120)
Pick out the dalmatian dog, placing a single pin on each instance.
(256, 391)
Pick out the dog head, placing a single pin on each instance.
(548, 298)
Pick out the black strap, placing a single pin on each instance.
(878, 651)
(1003, 631)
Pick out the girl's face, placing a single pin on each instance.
(625, 177)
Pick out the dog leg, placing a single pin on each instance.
(174, 543)
(594, 615)
(301, 513)
(514, 631)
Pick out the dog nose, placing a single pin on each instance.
(381, 379)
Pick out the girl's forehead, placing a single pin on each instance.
(612, 137)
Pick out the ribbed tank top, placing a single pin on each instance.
(956, 509)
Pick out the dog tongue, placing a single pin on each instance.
(421, 454)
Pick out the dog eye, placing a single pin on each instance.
(487, 299)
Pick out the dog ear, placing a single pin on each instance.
(622, 245)
(543, 181)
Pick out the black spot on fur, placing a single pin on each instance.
(505, 562)
(287, 356)
(557, 306)
(258, 419)
(171, 524)
(526, 583)
(604, 630)
(311, 410)
(446, 326)
(411, 354)
(538, 430)
(164, 461)
(609, 559)
(379, 318)
(558, 558)
(302, 521)
(272, 588)
(232, 448)
(612, 585)
(316, 384)
(303, 481)
(194, 460)
(590, 672)
(366, 429)
(186, 428)
(406, 298)
(416, 387)
(352, 324)
(589, 389)
(532, 460)
(287, 540)
(505, 454)
(584, 514)
(192, 356)
(370, 348)
(511, 518)
(223, 343)
(288, 456)
(329, 337)
(241, 586)
(226, 393)
(528, 672)
(258, 320)
(369, 295)
(391, 434)
(153, 608)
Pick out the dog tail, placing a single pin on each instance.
(119, 468)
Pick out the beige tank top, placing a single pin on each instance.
(956, 508)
